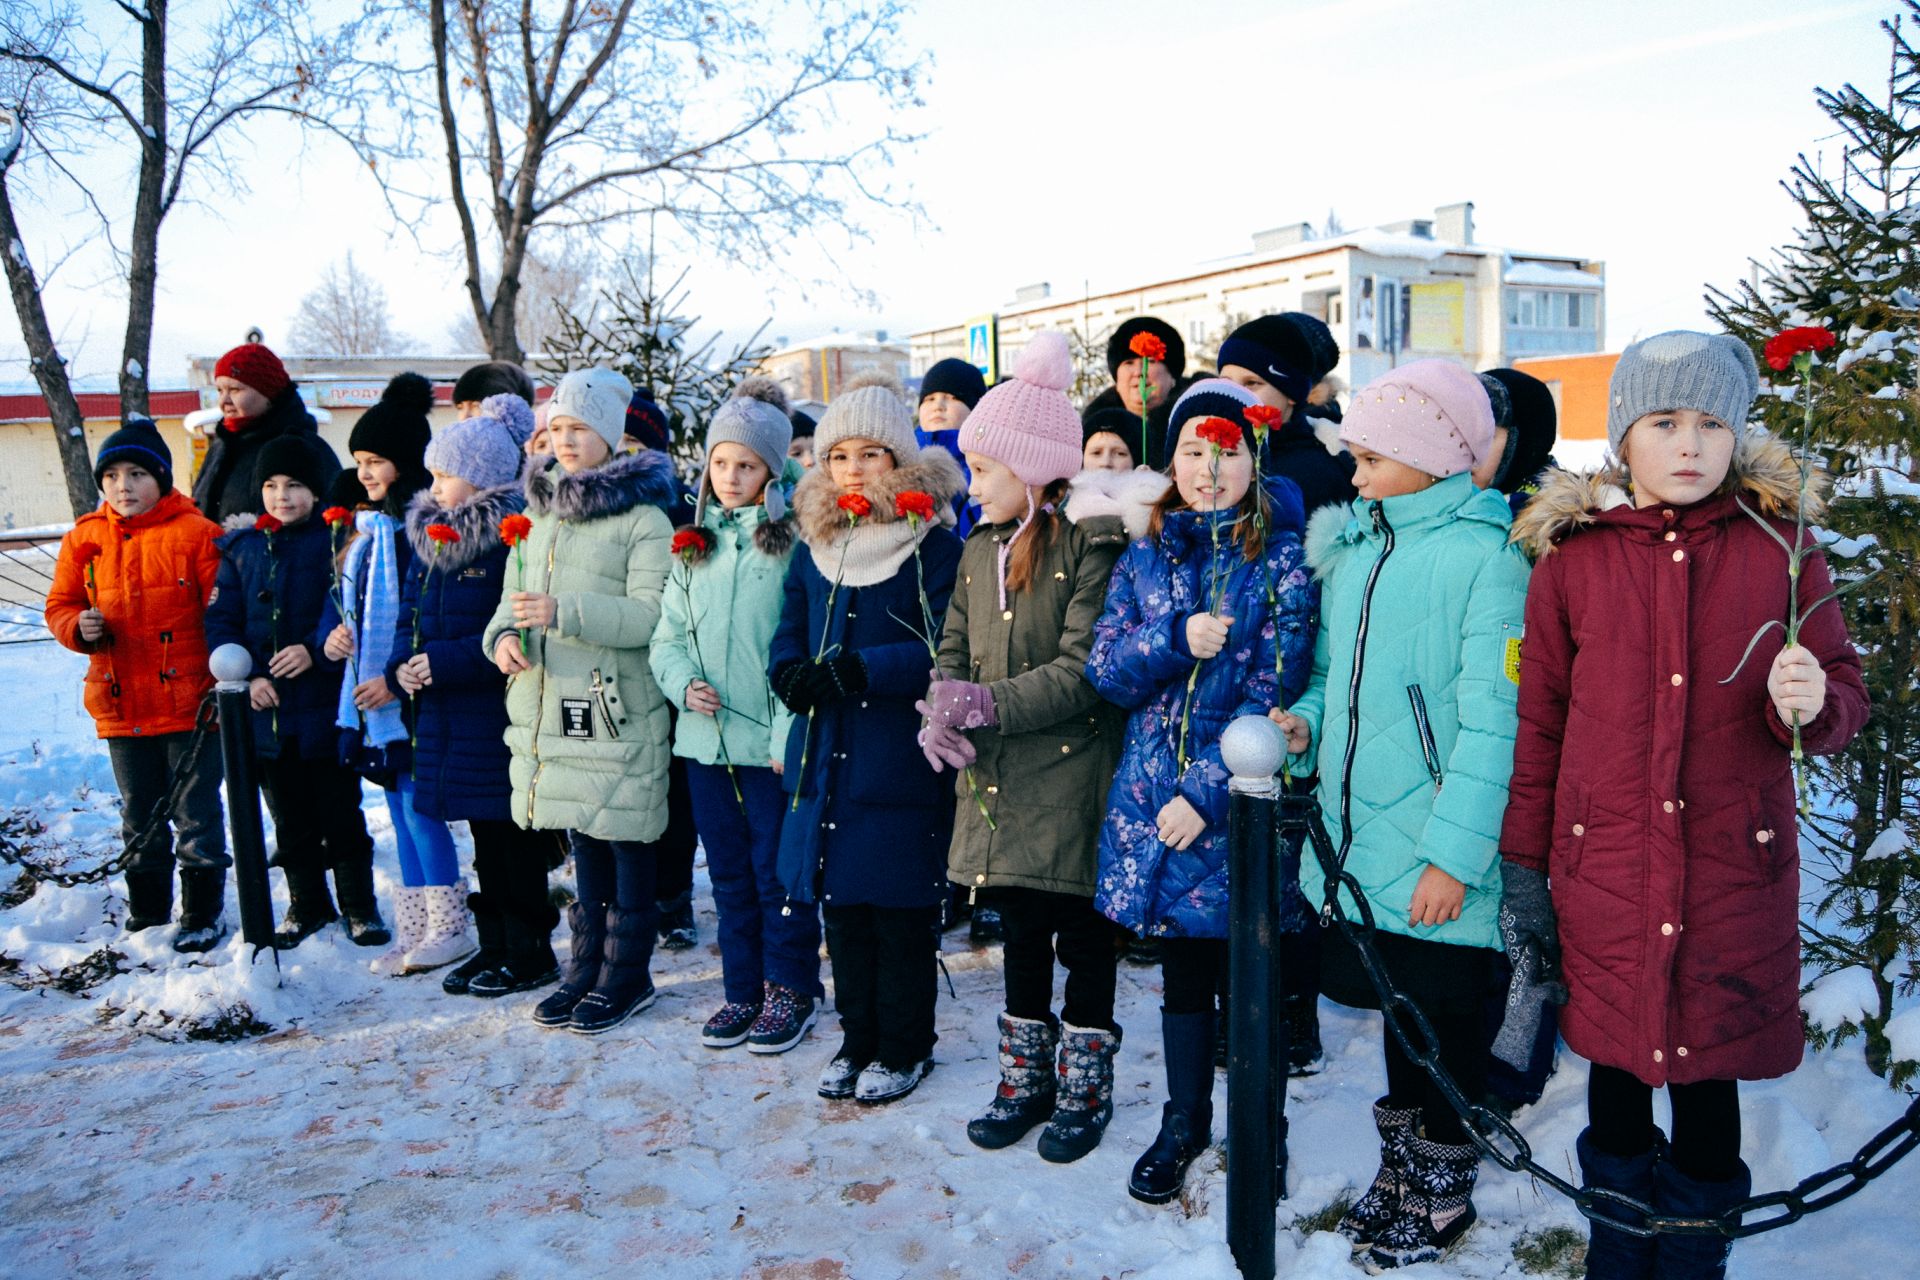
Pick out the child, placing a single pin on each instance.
(129, 591)
(588, 728)
(868, 825)
(1526, 424)
(1280, 359)
(389, 445)
(1110, 440)
(1042, 744)
(709, 656)
(1656, 792)
(949, 390)
(274, 582)
(1416, 663)
(1186, 644)
(459, 698)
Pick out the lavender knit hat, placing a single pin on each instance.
(1027, 422)
(1432, 415)
(484, 450)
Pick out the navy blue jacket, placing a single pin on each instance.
(1294, 451)
(379, 767)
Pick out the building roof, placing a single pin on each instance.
(97, 405)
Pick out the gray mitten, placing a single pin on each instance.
(1532, 941)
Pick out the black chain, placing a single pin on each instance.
(1495, 1135)
(205, 721)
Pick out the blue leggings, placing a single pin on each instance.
(427, 855)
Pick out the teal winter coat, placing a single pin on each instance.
(1422, 593)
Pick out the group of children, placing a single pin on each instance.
(871, 712)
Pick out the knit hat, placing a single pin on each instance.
(1523, 405)
(1292, 351)
(647, 422)
(1113, 422)
(1027, 422)
(514, 413)
(484, 450)
(956, 378)
(1432, 415)
(757, 425)
(397, 428)
(137, 442)
(871, 408)
(1707, 372)
(598, 397)
(1210, 398)
(257, 367)
(297, 458)
(1118, 352)
(347, 491)
(495, 377)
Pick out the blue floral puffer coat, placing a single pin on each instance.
(1140, 661)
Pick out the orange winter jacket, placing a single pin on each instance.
(151, 577)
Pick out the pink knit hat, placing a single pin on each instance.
(1432, 415)
(1028, 423)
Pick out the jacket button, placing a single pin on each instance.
(1671, 535)
(1668, 806)
(1763, 836)
(1059, 575)
(1677, 679)
(1579, 828)
(1006, 615)
(993, 790)
(1659, 1056)
(1681, 1050)
(969, 579)
(982, 879)
(1065, 749)
(1678, 556)
(1666, 930)
(831, 827)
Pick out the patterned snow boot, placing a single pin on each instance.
(1615, 1255)
(1084, 1096)
(1678, 1194)
(785, 1018)
(1024, 1096)
(1376, 1206)
(410, 915)
(449, 934)
(1436, 1205)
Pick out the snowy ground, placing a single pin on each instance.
(389, 1130)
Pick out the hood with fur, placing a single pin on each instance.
(477, 521)
(1130, 495)
(816, 497)
(770, 537)
(626, 481)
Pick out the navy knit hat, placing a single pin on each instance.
(1210, 398)
(138, 442)
(1118, 352)
(1524, 406)
(298, 458)
(957, 378)
(495, 377)
(1292, 351)
(1114, 422)
(647, 422)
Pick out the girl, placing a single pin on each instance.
(1664, 815)
(389, 445)
(1043, 745)
(588, 727)
(1110, 440)
(459, 710)
(709, 656)
(1188, 642)
(866, 828)
(1420, 634)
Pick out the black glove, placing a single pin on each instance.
(1532, 940)
(792, 687)
(846, 676)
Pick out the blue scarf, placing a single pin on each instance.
(374, 561)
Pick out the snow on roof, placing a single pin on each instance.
(1551, 276)
(843, 341)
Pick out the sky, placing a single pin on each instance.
(1107, 142)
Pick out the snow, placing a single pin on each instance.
(1903, 1034)
(1393, 244)
(1542, 274)
(1845, 995)
(1889, 843)
(135, 369)
(19, 252)
(1838, 544)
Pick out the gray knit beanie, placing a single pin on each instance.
(481, 450)
(597, 397)
(871, 412)
(1706, 372)
(756, 425)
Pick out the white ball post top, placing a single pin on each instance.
(231, 664)
(1252, 749)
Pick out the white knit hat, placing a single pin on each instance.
(869, 411)
(597, 397)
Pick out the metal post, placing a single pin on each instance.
(1256, 1069)
(231, 664)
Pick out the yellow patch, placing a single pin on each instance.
(1511, 664)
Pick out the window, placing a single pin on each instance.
(1551, 309)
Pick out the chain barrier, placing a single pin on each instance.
(1494, 1134)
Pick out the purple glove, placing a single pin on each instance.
(943, 745)
(960, 704)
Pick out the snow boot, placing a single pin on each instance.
(624, 987)
(490, 928)
(309, 907)
(677, 931)
(730, 1026)
(1615, 1255)
(149, 899)
(1084, 1096)
(410, 912)
(588, 923)
(880, 1083)
(1186, 1122)
(1684, 1196)
(1305, 1057)
(449, 936)
(1024, 1096)
(841, 1076)
(353, 887)
(1436, 1205)
(526, 961)
(203, 894)
(1371, 1213)
(785, 1018)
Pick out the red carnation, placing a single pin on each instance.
(855, 505)
(443, 533)
(1263, 416)
(691, 544)
(1219, 433)
(914, 504)
(336, 515)
(1782, 347)
(267, 523)
(514, 528)
(1147, 347)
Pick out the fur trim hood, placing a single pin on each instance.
(1766, 476)
(771, 537)
(617, 486)
(1130, 495)
(477, 521)
(816, 498)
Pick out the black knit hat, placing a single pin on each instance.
(347, 491)
(491, 379)
(957, 378)
(138, 442)
(1524, 406)
(1118, 352)
(396, 428)
(298, 458)
(1117, 422)
(1292, 351)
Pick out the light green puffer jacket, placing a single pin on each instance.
(1444, 614)
(587, 726)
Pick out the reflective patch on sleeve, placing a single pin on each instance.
(1511, 663)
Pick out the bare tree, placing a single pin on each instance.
(345, 315)
(731, 122)
(549, 290)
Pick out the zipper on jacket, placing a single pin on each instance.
(1383, 526)
(599, 691)
(540, 694)
(1424, 727)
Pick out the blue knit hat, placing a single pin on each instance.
(137, 442)
(484, 450)
(1210, 398)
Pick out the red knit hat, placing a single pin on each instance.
(259, 368)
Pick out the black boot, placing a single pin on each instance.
(1615, 1255)
(625, 987)
(527, 961)
(353, 882)
(149, 898)
(588, 921)
(1085, 1094)
(1678, 1194)
(677, 931)
(1024, 1096)
(309, 905)
(490, 928)
(1186, 1123)
(203, 895)
(1305, 1057)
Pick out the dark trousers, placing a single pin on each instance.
(510, 864)
(614, 873)
(194, 835)
(1706, 1121)
(762, 937)
(673, 851)
(1191, 972)
(1041, 926)
(1463, 1052)
(884, 981)
(317, 820)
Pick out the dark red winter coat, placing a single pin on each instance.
(1660, 800)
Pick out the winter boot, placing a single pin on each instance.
(410, 911)
(1186, 1123)
(1084, 1095)
(841, 1076)
(624, 987)
(527, 959)
(149, 899)
(1376, 1206)
(880, 1083)
(731, 1026)
(785, 1018)
(1436, 1206)
(449, 936)
(1025, 1094)
(490, 927)
(203, 894)
(309, 907)
(588, 922)
(353, 886)
(1305, 1057)
(1615, 1255)
(1679, 1195)
(677, 931)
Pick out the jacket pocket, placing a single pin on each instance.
(606, 699)
(1767, 847)
(1423, 727)
(1571, 815)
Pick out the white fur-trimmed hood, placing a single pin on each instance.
(1130, 495)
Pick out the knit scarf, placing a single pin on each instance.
(374, 562)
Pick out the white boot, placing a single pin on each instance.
(410, 925)
(449, 928)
